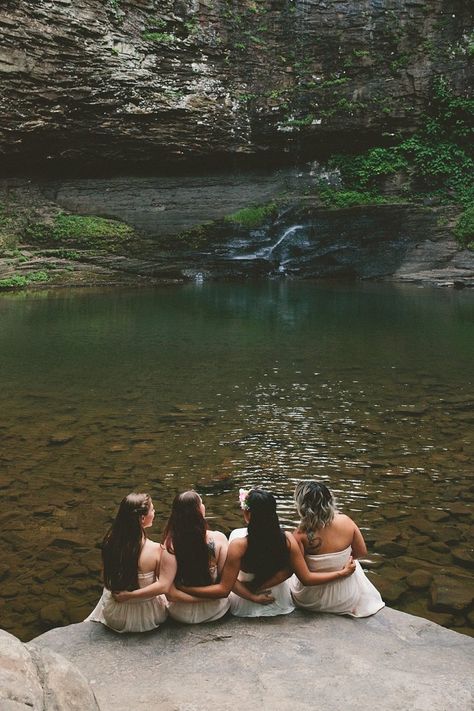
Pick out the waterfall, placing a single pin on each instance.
(285, 234)
(266, 253)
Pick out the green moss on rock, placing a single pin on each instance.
(22, 281)
(252, 216)
(82, 231)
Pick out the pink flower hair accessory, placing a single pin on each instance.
(243, 494)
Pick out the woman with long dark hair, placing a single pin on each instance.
(328, 538)
(264, 555)
(199, 556)
(132, 560)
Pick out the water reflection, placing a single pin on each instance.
(220, 386)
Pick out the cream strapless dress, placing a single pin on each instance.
(240, 607)
(134, 615)
(193, 613)
(354, 596)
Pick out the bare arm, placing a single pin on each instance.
(168, 568)
(306, 576)
(176, 595)
(359, 549)
(261, 596)
(229, 574)
(276, 579)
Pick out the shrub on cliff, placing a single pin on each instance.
(464, 229)
(438, 159)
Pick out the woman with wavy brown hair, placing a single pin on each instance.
(199, 556)
(132, 560)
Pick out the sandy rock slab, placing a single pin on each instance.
(392, 662)
(37, 679)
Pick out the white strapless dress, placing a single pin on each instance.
(354, 596)
(132, 616)
(240, 607)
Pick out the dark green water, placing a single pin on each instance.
(369, 388)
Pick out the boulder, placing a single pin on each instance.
(391, 661)
(37, 679)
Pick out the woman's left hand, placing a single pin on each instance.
(264, 597)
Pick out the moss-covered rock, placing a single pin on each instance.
(82, 231)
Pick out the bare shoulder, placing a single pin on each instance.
(155, 548)
(344, 522)
(238, 546)
(219, 537)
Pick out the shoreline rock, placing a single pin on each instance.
(391, 661)
(35, 678)
(189, 231)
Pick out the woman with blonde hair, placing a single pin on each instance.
(132, 560)
(328, 539)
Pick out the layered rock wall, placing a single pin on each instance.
(90, 81)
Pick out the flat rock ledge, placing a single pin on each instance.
(34, 678)
(391, 662)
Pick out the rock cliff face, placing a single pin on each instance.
(88, 81)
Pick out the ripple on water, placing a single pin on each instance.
(182, 391)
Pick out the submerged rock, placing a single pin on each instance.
(451, 594)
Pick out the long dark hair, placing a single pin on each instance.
(267, 550)
(123, 543)
(185, 536)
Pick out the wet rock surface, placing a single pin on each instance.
(183, 232)
(36, 678)
(412, 663)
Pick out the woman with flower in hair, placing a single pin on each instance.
(199, 556)
(132, 560)
(264, 555)
(328, 539)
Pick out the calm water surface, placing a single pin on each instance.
(367, 388)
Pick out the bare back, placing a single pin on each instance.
(150, 556)
(341, 533)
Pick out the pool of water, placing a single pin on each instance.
(216, 386)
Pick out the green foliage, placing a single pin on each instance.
(252, 216)
(17, 281)
(438, 158)
(334, 82)
(82, 231)
(8, 229)
(349, 198)
(159, 37)
(470, 46)
(156, 23)
(361, 171)
(299, 123)
(464, 229)
(70, 254)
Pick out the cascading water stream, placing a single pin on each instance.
(266, 252)
(287, 233)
